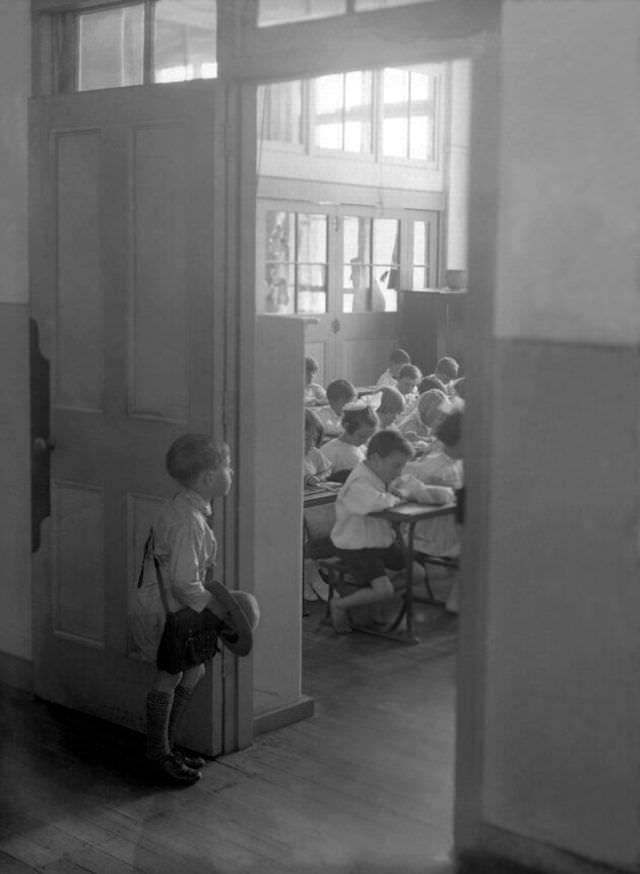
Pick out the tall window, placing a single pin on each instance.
(285, 11)
(296, 262)
(342, 111)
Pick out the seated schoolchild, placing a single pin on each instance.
(409, 378)
(359, 422)
(391, 406)
(313, 391)
(419, 424)
(317, 466)
(441, 467)
(339, 393)
(431, 381)
(447, 370)
(366, 543)
(397, 360)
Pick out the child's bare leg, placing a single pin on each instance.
(181, 698)
(380, 589)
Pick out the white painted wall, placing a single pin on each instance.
(561, 745)
(15, 591)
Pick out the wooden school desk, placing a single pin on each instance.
(409, 515)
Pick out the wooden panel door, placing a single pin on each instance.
(128, 217)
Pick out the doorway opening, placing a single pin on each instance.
(361, 221)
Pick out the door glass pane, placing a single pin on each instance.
(423, 273)
(185, 40)
(312, 263)
(110, 48)
(358, 296)
(386, 261)
(279, 276)
(280, 112)
(285, 11)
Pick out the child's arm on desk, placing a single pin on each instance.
(362, 498)
(410, 488)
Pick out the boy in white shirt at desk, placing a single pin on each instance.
(391, 406)
(359, 422)
(366, 543)
(397, 360)
(316, 465)
(339, 393)
(313, 392)
(408, 380)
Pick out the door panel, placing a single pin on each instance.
(128, 220)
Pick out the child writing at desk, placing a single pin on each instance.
(366, 543)
(316, 465)
(346, 451)
(339, 393)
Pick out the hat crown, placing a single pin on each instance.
(249, 606)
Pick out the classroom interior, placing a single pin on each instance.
(187, 186)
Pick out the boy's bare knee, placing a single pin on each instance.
(383, 587)
(165, 682)
(192, 676)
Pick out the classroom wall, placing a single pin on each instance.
(15, 590)
(560, 746)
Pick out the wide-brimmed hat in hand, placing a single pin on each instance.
(240, 613)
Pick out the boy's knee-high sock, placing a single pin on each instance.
(181, 699)
(158, 714)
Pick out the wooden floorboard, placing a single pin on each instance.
(366, 785)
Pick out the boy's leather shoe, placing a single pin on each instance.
(175, 770)
(189, 759)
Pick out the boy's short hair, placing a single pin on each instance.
(192, 454)
(430, 382)
(341, 389)
(313, 424)
(449, 431)
(310, 365)
(430, 406)
(447, 368)
(354, 419)
(409, 371)
(384, 442)
(399, 356)
(391, 400)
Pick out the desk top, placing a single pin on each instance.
(323, 494)
(414, 512)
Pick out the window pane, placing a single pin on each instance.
(386, 262)
(329, 94)
(395, 87)
(185, 40)
(279, 276)
(361, 290)
(420, 138)
(284, 11)
(110, 48)
(280, 112)
(329, 136)
(394, 137)
(357, 137)
(311, 256)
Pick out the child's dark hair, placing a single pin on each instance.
(352, 420)
(310, 366)
(409, 371)
(447, 368)
(314, 426)
(399, 356)
(192, 454)
(430, 382)
(449, 431)
(384, 442)
(341, 389)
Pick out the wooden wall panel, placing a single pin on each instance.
(158, 313)
(78, 593)
(142, 511)
(79, 335)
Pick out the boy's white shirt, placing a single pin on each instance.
(316, 464)
(343, 456)
(186, 547)
(363, 493)
(331, 422)
(387, 379)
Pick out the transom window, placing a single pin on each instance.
(287, 11)
(295, 272)
(343, 111)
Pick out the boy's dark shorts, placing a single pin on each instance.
(367, 565)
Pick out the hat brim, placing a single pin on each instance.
(237, 637)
